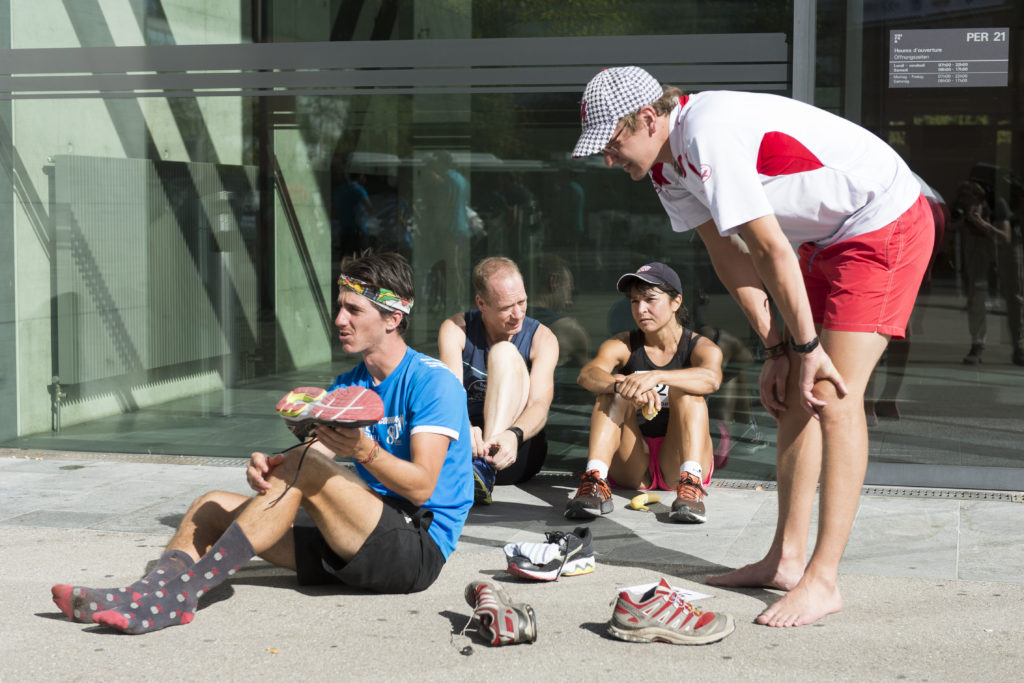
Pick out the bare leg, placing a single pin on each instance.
(798, 464)
(342, 507)
(508, 388)
(616, 441)
(688, 437)
(844, 461)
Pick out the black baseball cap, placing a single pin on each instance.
(654, 274)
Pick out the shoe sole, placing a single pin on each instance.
(347, 407)
(656, 634)
(573, 511)
(684, 516)
(297, 400)
(481, 494)
(577, 567)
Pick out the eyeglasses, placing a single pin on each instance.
(378, 295)
(614, 143)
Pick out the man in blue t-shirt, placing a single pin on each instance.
(391, 528)
(387, 526)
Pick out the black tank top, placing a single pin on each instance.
(640, 362)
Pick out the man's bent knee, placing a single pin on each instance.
(502, 354)
(216, 510)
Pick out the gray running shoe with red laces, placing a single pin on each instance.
(688, 507)
(593, 498)
(661, 615)
(501, 621)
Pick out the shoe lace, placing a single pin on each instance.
(676, 599)
(690, 487)
(307, 443)
(559, 538)
(592, 484)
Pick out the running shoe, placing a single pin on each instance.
(304, 407)
(500, 621)
(593, 498)
(564, 554)
(753, 436)
(483, 481)
(661, 615)
(688, 507)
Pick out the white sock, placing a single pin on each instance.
(693, 468)
(601, 468)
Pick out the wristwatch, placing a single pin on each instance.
(803, 348)
(519, 435)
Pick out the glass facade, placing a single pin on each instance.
(178, 179)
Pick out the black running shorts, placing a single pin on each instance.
(399, 556)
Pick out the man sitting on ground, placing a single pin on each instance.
(388, 526)
(507, 364)
(650, 421)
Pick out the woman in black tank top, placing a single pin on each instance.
(650, 427)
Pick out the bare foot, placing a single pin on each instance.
(765, 573)
(805, 604)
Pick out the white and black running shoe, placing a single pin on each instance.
(564, 554)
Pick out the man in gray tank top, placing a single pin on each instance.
(506, 362)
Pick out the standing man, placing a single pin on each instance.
(753, 173)
(650, 426)
(507, 364)
(388, 526)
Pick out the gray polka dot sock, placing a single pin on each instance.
(175, 602)
(79, 603)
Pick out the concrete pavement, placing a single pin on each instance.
(933, 583)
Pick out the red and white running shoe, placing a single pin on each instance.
(304, 407)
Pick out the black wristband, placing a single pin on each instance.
(519, 434)
(803, 348)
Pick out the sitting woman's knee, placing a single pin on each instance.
(686, 402)
(612, 405)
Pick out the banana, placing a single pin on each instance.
(640, 502)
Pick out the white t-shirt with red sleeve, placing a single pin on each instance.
(739, 156)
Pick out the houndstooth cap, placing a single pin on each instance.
(610, 95)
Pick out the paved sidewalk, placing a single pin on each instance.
(934, 589)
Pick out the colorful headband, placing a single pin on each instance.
(378, 295)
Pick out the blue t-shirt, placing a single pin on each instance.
(422, 395)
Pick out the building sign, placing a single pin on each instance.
(949, 58)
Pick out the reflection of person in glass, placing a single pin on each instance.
(446, 206)
(550, 304)
(649, 428)
(753, 173)
(985, 230)
(350, 206)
